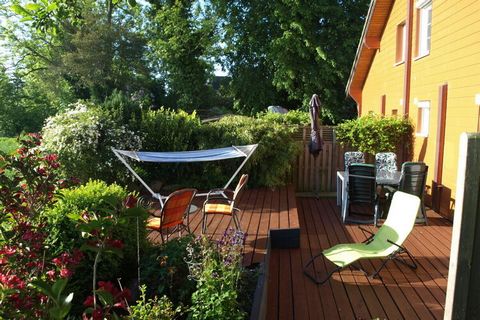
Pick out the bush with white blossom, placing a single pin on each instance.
(82, 136)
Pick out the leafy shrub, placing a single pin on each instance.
(169, 130)
(372, 133)
(64, 234)
(165, 271)
(273, 158)
(83, 136)
(8, 145)
(122, 110)
(153, 309)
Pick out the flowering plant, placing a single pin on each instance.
(29, 180)
(98, 228)
(216, 266)
(112, 300)
(83, 136)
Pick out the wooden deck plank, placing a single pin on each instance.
(285, 295)
(252, 227)
(273, 289)
(315, 305)
(260, 245)
(325, 292)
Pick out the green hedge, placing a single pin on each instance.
(83, 135)
(373, 133)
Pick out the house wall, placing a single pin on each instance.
(454, 59)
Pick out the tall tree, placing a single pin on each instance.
(301, 48)
(248, 29)
(183, 39)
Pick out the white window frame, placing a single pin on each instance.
(423, 122)
(424, 32)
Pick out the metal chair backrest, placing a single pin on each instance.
(361, 183)
(350, 157)
(386, 161)
(414, 178)
(176, 207)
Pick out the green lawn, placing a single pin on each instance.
(8, 145)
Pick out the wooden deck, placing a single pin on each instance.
(403, 293)
(262, 210)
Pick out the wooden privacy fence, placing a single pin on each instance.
(318, 174)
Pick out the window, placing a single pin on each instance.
(401, 43)
(424, 27)
(423, 118)
(394, 112)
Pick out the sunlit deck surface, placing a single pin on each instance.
(401, 294)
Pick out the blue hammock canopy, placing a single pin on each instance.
(186, 157)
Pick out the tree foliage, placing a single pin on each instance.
(291, 49)
(182, 37)
(164, 52)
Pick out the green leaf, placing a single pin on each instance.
(45, 288)
(52, 7)
(105, 297)
(132, 3)
(18, 9)
(58, 287)
(74, 216)
(32, 6)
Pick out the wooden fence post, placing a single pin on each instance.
(463, 288)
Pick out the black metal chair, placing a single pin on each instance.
(362, 189)
(413, 181)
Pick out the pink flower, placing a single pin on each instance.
(65, 273)
(57, 262)
(51, 274)
(41, 171)
(97, 314)
(88, 302)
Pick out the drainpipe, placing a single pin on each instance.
(408, 59)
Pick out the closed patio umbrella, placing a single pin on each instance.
(315, 145)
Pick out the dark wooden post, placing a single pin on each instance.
(463, 289)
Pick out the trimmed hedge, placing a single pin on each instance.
(373, 133)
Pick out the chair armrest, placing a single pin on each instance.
(370, 238)
(220, 193)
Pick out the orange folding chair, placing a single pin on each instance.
(222, 201)
(173, 213)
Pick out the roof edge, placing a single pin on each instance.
(360, 45)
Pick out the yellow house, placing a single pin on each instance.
(421, 59)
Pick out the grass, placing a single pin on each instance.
(8, 145)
